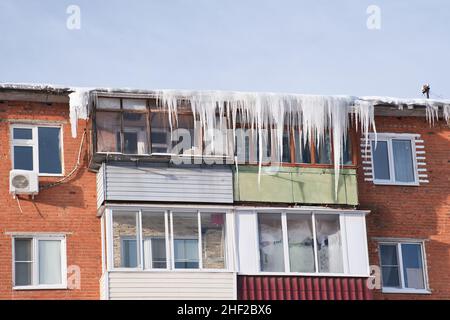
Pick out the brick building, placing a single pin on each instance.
(66, 211)
(134, 220)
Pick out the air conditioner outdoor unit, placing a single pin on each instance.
(23, 182)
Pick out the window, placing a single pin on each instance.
(185, 240)
(154, 243)
(140, 127)
(125, 232)
(402, 267)
(37, 148)
(393, 160)
(329, 246)
(271, 242)
(288, 243)
(323, 150)
(122, 126)
(297, 149)
(302, 149)
(170, 240)
(182, 139)
(39, 262)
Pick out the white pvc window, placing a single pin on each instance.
(394, 160)
(175, 240)
(403, 267)
(37, 148)
(309, 243)
(39, 262)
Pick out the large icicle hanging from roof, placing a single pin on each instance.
(316, 115)
(78, 103)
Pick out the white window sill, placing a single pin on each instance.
(392, 183)
(27, 288)
(58, 175)
(408, 291)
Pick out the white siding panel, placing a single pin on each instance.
(172, 285)
(247, 242)
(104, 286)
(131, 183)
(356, 240)
(100, 186)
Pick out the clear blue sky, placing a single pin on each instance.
(317, 47)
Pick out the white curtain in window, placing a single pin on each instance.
(271, 242)
(403, 162)
(301, 243)
(50, 262)
(142, 142)
(329, 247)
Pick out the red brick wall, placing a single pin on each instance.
(69, 208)
(415, 212)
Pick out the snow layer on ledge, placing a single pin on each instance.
(432, 105)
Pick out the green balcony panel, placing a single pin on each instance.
(295, 185)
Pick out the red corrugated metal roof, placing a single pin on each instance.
(302, 288)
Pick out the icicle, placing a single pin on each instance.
(446, 112)
(78, 102)
(316, 115)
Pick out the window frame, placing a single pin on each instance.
(403, 289)
(388, 138)
(121, 129)
(287, 265)
(34, 144)
(35, 238)
(169, 239)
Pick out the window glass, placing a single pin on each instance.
(160, 133)
(266, 145)
(125, 250)
(134, 104)
(329, 246)
(213, 240)
(23, 158)
(23, 261)
(217, 142)
(49, 150)
(185, 237)
(135, 133)
(22, 134)
(186, 253)
(301, 243)
(347, 156)
(49, 262)
(109, 103)
(241, 145)
(412, 266)
(154, 234)
(129, 253)
(286, 158)
(389, 265)
(270, 242)
(381, 160)
(108, 131)
(302, 150)
(323, 150)
(159, 260)
(403, 161)
(184, 138)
